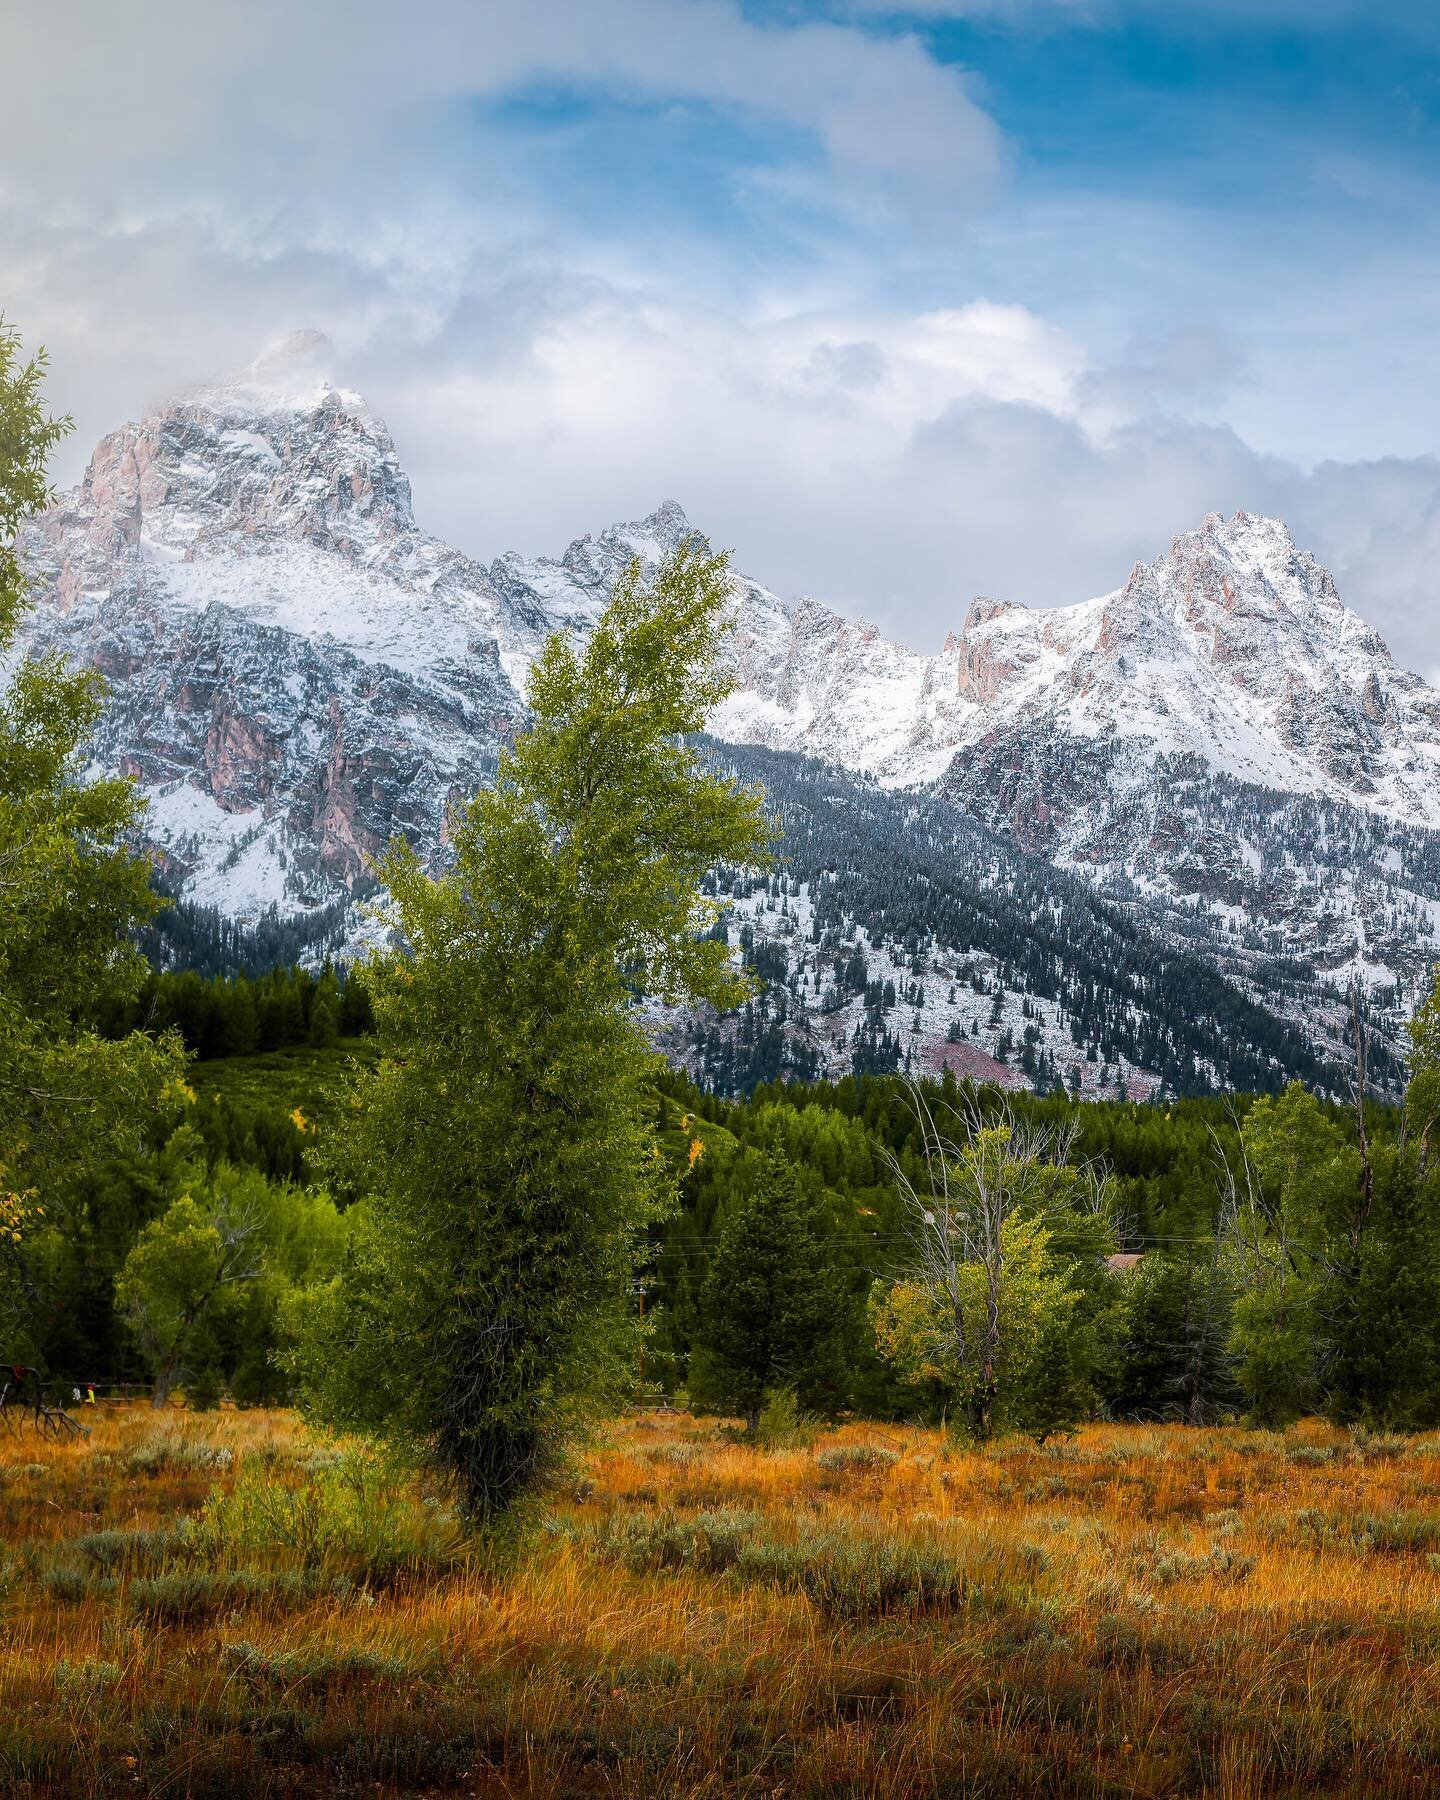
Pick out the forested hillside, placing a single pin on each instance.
(895, 933)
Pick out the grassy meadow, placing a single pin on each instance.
(217, 1604)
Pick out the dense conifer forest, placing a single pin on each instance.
(920, 881)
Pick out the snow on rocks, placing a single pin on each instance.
(298, 673)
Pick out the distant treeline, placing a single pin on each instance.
(238, 1015)
(844, 1141)
(186, 935)
(1169, 1335)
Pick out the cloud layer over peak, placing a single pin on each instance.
(905, 302)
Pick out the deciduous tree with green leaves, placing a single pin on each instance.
(500, 1148)
(182, 1269)
(204, 1284)
(1002, 1312)
(1285, 1215)
(71, 888)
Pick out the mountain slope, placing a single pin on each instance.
(898, 932)
(1233, 647)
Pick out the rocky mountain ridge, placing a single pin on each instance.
(299, 672)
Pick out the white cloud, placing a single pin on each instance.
(892, 463)
(223, 176)
(167, 95)
(894, 466)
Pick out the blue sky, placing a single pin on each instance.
(1248, 171)
(901, 302)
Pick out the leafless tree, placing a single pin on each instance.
(980, 1171)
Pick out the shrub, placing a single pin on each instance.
(1219, 1562)
(317, 1668)
(174, 1451)
(847, 1459)
(858, 1579)
(709, 1543)
(678, 1456)
(86, 1678)
(1377, 1445)
(846, 1577)
(1390, 1533)
(188, 1597)
(70, 1585)
(191, 1596)
(1230, 1565)
(352, 1510)
(111, 1551)
(1384, 1533)
(782, 1424)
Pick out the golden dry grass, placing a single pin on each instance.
(1137, 1612)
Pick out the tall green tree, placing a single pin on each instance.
(500, 1147)
(1422, 1094)
(1384, 1305)
(1174, 1359)
(1334, 1241)
(71, 891)
(182, 1269)
(770, 1308)
(1286, 1214)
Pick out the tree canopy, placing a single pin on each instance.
(71, 887)
(501, 1151)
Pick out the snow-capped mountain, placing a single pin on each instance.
(1233, 646)
(298, 672)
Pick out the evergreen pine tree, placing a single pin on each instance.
(770, 1304)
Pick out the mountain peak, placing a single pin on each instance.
(292, 374)
(1260, 546)
(668, 516)
(659, 534)
(274, 452)
(1241, 574)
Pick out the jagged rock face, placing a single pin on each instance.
(1229, 661)
(1233, 647)
(299, 673)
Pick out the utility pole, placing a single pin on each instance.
(639, 1286)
